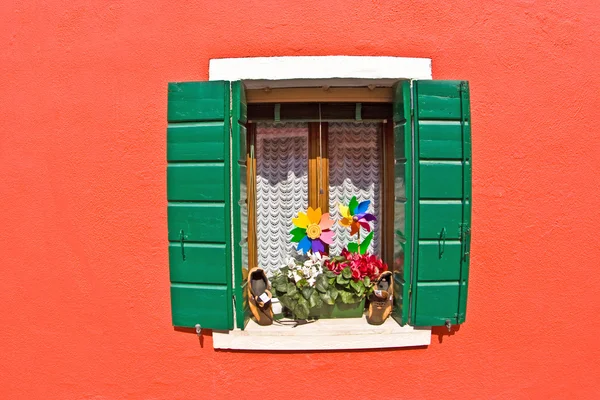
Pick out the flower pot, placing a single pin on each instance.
(339, 310)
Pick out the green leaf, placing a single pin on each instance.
(365, 243)
(315, 300)
(291, 289)
(361, 292)
(353, 247)
(326, 298)
(329, 273)
(357, 286)
(347, 273)
(333, 293)
(341, 280)
(302, 282)
(307, 292)
(321, 283)
(302, 300)
(286, 301)
(297, 234)
(347, 297)
(353, 204)
(400, 235)
(280, 287)
(280, 281)
(301, 310)
(367, 281)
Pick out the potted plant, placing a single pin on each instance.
(295, 285)
(324, 287)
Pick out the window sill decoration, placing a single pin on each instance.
(325, 286)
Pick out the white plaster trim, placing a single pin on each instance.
(324, 334)
(303, 71)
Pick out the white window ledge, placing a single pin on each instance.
(324, 334)
(277, 72)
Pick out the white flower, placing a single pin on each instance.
(308, 271)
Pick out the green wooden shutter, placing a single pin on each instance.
(239, 116)
(443, 191)
(403, 204)
(200, 209)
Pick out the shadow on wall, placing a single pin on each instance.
(441, 331)
(205, 333)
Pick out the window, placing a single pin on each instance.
(417, 157)
(345, 159)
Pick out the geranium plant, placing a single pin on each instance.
(354, 274)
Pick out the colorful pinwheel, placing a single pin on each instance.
(313, 231)
(355, 215)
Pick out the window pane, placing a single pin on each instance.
(281, 188)
(355, 170)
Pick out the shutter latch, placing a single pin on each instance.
(181, 239)
(442, 242)
(466, 233)
(198, 330)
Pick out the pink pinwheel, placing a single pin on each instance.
(313, 231)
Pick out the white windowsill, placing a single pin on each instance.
(324, 334)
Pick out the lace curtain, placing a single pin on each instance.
(281, 189)
(354, 170)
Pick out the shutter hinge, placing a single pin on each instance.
(448, 325)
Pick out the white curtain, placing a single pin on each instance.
(355, 170)
(281, 189)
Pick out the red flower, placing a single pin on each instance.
(361, 265)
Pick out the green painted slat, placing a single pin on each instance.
(196, 141)
(404, 202)
(439, 214)
(439, 260)
(440, 140)
(207, 305)
(203, 263)
(199, 182)
(440, 179)
(200, 222)
(197, 101)
(436, 302)
(439, 100)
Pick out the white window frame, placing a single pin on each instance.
(319, 71)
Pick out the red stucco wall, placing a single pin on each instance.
(84, 293)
